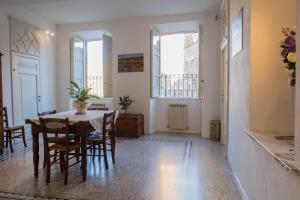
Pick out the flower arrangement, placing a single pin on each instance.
(288, 52)
(125, 102)
(81, 97)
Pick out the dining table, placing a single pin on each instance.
(80, 124)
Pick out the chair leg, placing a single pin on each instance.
(94, 151)
(99, 152)
(55, 156)
(66, 168)
(6, 139)
(62, 161)
(10, 142)
(44, 163)
(48, 171)
(113, 151)
(23, 136)
(105, 155)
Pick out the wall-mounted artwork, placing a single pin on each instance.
(237, 33)
(131, 62)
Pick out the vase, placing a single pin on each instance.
(80, 107)
(292, 93)
(123, 111)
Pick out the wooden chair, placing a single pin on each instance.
(52, 112)
(12, 132)
(100, 141)
(63, 144)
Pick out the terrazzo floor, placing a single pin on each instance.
(153, 167)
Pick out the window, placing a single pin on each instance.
(95, 67)
(91, 64)
(175, 65)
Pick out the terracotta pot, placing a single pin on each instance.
(80, 107)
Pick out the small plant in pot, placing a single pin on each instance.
(125, 102)
(81, 97)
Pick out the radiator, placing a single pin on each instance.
(177, 117)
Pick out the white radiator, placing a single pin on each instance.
(178, 117)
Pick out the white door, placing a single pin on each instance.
(26, 87)
(224, 95)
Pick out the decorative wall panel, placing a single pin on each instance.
(24, 38)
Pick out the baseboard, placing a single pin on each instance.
(240, 188)
(180, 132)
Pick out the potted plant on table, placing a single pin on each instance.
(81, 97)
(125, 102)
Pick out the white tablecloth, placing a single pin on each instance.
(95, 117)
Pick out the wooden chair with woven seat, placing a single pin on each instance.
(12, 132)
(100, 141)
(63, 144)
(52, 112)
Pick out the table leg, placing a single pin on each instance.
(35, 148)
(83, 132)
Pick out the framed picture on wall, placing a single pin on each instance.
(237, 34)
(131, 62)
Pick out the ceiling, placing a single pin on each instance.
(70, 11)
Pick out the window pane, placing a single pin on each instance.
(95, 67)
(179, 70)
(156, 63)
(155, 86)
(78, 62)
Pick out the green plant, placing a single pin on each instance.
(125, 102)
(81, 94)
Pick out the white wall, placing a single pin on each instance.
(270, 99)
(261, 177)
(47, 55)
(297, 107)
(211, 73)
(133, 36)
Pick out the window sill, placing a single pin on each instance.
(282, 150)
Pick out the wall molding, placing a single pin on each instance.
(24, 38)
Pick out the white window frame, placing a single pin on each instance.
(200, 72)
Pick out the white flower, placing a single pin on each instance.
(291, 72)
(292, 57)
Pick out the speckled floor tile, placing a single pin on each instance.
(153, 167)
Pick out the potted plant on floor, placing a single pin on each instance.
(125, 102)
(81, 97)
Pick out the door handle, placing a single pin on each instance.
(38, 98)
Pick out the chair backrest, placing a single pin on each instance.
(5, 117)
(57, 126)
(47, 113)
(108, 124)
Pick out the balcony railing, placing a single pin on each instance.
(179, 86)
(96, 83)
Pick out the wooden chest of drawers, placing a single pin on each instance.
(130, 125)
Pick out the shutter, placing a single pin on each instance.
(107, 66)
(78, 51)
(200, 74)
(155, 62)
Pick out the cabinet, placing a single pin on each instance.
(130, 125)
